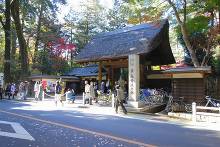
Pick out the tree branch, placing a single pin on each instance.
(175, 11)
(184, 12)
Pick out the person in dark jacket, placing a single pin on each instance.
(58, 90)
(8, 90)
(120, 98)
(1, 92)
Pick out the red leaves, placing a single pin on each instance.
(60, 47)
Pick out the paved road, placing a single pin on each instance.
(49, 126)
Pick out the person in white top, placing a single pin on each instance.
(36, 90)
(87, 93)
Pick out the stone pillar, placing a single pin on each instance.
(134, 81)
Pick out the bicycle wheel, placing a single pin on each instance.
(188, 107)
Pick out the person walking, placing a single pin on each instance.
(26, 86)
(95, 85)
(120, 98)
(22, 90)
(58, 90)
(13, 90)
(36, 90)
(87, 93)
(92, 92)
(8, 90)
(1, 92)
(103, 88)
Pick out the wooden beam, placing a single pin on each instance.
(122, 62)
(112, 76)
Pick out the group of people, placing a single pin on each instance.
(11, 90)
(90, 92)
(119, 92)
(69, 93)
(37, 90)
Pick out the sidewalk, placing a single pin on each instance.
(49, 105)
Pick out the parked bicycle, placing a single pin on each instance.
(212, 102)
(152, 96)
(104, 98)
(178, 105)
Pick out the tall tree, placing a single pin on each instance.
(7, 30)
(182, 24)
(15, 10)
(86, 22)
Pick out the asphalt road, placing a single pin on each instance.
(70, 128)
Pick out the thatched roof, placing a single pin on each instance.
(88, 71)
(140, 39)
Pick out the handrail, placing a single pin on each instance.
(194, 110)
(208, 108)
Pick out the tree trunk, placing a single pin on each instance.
(185, 34)
(38, 32)
(7, 28)
(13, 45)
(22, 43)
(189, 46)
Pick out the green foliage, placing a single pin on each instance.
(198, 24)
(2, 45)
(216, 60)
(82, 25)
(49, 64)
(201, 28)
(140, 11)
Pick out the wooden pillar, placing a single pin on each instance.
(108, 73)
(100, 73)
(112, 75)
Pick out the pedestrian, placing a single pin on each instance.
(58, 90)
(13, 90)
(115, 88)
(107, 87)
(26, 85)
(92, 92)
(8, 91)
(120, 99)
(95, 90)
(70, 95)
(22, 90)
(87, 93)
(1, 92)
(103, 87)
(36, 90)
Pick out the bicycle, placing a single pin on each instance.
(212, 102)
(104, 98)
(178, 105)
(144, 97)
